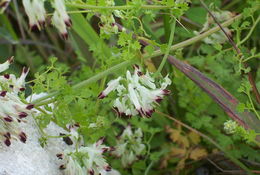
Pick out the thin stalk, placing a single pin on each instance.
(45, 99)
(236, 161)
(168, 49)
(122, 7)
(18, 15)
(196, 38)
(250, 32)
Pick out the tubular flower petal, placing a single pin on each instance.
(3, 5)
(137, 93)
(112, 85)
(91, 160)
(129, 146)
(61, 19)
(36, 13)
(12, 109)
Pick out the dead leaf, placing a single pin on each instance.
(178, 152)
(183, 141)
(198, 153)
(194, 137)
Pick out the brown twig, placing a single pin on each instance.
(239, 53)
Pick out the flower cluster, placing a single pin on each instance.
(129, 146)
(3, 5)
(36, 13)
(230, 127)
(12, 110)
(86, 160)
(137, 94)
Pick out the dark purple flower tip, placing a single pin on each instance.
(158, 99)
(22, 89)
(135, 66)
(91, 172)
(141, 112)
(19, 121)
(23, 137)
(8, 119)
(77, 125)
(3, 93)
(62, 167)
(65, 36)
(104, 150)
(11, 59)
(22, 115)
(34, 27)
(11, 86)
(101, 95)
(7, 142)
(166, 92)
(140, 73)
(30, 106)
(60, 156)
(68, 22)
(149, 113)
(112, 148)
(107, 168)
(7, 135)
(7, 76)
(25, 70)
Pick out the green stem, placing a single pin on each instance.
(123, 7)
(253, 56)
(148, 168)
(252, 104)
(196, 38)
(45, 99)
(250, 32)
(168, 49)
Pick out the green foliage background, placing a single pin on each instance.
(56, 65)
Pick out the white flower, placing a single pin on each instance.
(112, 85)
(137, 93)
(88, 159)
(36, 13)
(12, 110)
(129, 146)
(61, 19)
(230, 127)
(5, 65)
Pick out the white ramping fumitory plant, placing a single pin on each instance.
(86, 160)
(137, 93)
(12, 110)
(129, 146)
